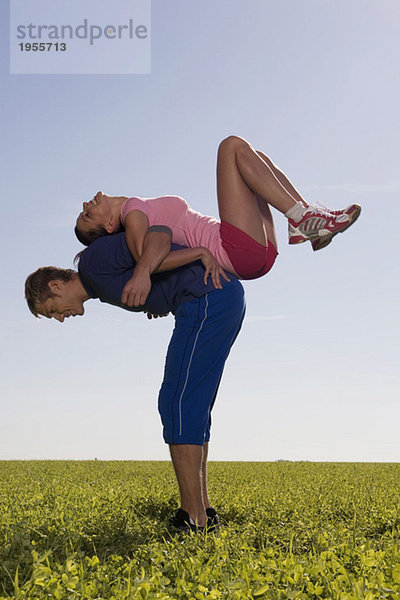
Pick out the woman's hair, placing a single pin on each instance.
(87, 237)
(77, 258)
(37, 285)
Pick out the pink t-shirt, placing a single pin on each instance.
(189, 228)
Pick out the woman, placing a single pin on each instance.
(244, 241)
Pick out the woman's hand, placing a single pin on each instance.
(137, 288)
(212, 268)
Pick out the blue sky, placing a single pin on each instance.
(314, 373)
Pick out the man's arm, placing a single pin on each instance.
(156, 246)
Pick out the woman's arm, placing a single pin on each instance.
(148, 248)
(136, 227)
(155, 248)
(179, 258)
(136, 230)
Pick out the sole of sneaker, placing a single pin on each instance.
(297, 239)
(320, 243)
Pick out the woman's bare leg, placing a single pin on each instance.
(282, 178)
(268, 221)
(243, 178)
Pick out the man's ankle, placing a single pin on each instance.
(197, 517)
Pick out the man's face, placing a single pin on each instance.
(65, 302)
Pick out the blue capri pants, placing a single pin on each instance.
(205, 329)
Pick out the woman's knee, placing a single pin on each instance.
(232, 144)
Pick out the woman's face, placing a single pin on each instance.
(95, 213)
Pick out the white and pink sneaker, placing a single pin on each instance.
(319, 226)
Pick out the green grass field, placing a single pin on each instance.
(96, 529)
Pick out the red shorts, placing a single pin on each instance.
(249, 258)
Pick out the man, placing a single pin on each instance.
(207, 321)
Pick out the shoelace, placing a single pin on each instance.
(320, 209)
(322, 206)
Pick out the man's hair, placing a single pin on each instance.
(37, 285)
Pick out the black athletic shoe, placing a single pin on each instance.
(213, 521)
(180, 521)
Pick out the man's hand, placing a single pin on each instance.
(212, 268)
(153, 316)
(137, 288)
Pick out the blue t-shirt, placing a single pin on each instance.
(106, 266)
